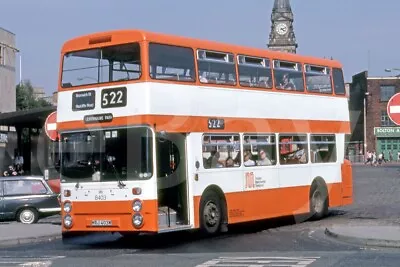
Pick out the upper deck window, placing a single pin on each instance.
(254, 72)
(169, 62)
(288, 75)
(102, 65)
(216, 67)
(318, 79)
(338, 81)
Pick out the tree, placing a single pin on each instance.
(25, 98)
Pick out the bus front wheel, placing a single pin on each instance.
(210, 212)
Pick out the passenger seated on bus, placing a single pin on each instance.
(264, 160)
(300, 155)
(286, 83)
(214, 160)
(265, 82)
(229, 162)
(237, 160)
(247, 159)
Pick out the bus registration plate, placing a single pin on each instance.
(101, 223)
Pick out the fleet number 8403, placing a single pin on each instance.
(100, 197)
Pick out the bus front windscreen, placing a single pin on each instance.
(107, 155)
(101, 65)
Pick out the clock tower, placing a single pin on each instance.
(282, 36)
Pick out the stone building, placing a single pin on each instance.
(7, 71)
(282, 37)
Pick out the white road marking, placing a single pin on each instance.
(259, 262)
(26, 261)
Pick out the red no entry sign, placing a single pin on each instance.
(50, 126)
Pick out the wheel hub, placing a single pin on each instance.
(317, 202)
(211, 214)
(26, 217)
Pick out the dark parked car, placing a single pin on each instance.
(26, 199)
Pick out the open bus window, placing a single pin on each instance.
(216, 67)
(103, 155)
(254, 72)
(323, 148)
(261, 150)
(101, 65)
(318, 79)
(288, 76)
(293, 149)
(221, 151)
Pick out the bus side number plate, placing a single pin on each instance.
(216, 124)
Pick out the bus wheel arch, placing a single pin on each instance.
(319, 199)
(213, 200)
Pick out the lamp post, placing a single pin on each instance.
(366, 94)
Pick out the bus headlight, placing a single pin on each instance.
(68, 221)
(67, 207)
(137, 220)
(137, 205)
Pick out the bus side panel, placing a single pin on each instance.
(262, 204)
(335, 194)
(347, 183)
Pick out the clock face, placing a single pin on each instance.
(281, 28)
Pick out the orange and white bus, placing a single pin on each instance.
(162, 133)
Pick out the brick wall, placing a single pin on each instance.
(375, 105)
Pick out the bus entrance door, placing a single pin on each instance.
(172, 186)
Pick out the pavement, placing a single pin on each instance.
(368, 233)
(15, 233)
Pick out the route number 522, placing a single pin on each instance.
(113, 97)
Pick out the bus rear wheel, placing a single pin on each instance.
(318, 202)
(210, 213)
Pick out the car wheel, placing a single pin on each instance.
(28, 216)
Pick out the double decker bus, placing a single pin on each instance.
(162, 133)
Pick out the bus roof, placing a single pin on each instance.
(115, 37)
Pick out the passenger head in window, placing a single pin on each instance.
(263, 159)
(286, 83)
(215, 161)
(247, 159)
(229, 162)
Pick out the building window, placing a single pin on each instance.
(387, 91)
(385, 120)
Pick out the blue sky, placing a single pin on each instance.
(346, 30)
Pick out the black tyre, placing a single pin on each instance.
(211, 213)
(318, 202)
(28, 216)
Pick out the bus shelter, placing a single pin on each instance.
(23, 132)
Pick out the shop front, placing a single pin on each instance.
(387, 141)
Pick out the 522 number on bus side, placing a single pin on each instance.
(216, 124)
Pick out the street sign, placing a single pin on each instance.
(50, 126)
(393, 108)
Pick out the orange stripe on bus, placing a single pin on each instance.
(267, 204)
(172, 123)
